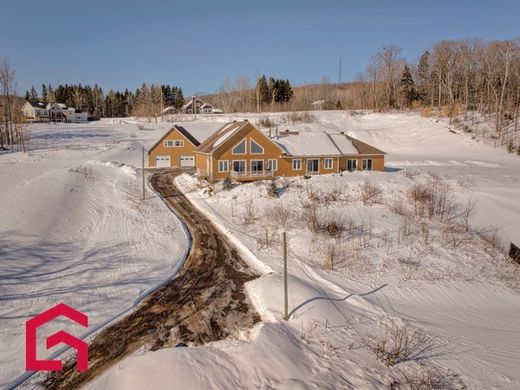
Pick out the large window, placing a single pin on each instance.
(367, 165)
(313, 165)
(327, 163)
(240, 148)
(223, 165)
(255, 148)
(352, 165)
(296, 164)
(272, 165)
(257, 166)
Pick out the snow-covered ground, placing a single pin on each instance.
(389, 269)
(73, 215)
(73, 229)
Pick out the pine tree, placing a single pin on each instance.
(45, 93)
(27, 96)
(263, 90)
(407, 87)
(423, 76)
(34, 94)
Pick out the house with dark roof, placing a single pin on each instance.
(53, 112)
(198, 106)
(175, 149)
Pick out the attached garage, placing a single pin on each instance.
(187, 161)
(162, 162)
(175, 149)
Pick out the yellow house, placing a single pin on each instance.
(175, 149)
(242, 152)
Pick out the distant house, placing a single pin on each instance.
(197, 106)
(59, 112)
(53, 112)
(35, 111)
(175, 149)
(323, 105)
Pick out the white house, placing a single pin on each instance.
(197, 106)
(35, 111)
(60, 112)
(53, 112)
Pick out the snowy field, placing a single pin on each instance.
(452, 291)
(74, 230)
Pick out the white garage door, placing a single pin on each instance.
(187, 161)
(162, 161)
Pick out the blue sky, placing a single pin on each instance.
(197, 44)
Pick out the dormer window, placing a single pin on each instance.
(256, 148)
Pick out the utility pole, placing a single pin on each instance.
(286, 300)
(142, 168)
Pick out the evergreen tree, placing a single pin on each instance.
(27, 96)
(262, 89)
(44, 93)
(423, 76)
(407, 87)
(34, 94)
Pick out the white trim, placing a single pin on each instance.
(275, 164)
(356, 163)
(325, 160)
(251, 147)
(238, 143)
(292, 163)
(227, 166)
(307, 167)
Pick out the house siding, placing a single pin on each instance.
(174, 152)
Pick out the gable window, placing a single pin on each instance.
(240, 148)
(173, 143)
(272, 165)
(327, 163)
(367, 165)
(296, 164)
(223, 165)
(255, 148)
(313, 165)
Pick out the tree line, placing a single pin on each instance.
(459, 77)
(147, 100)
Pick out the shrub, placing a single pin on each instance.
(272, 189)
(278, 214)
(425, 377)
(265, 122)
(510, 147)
(398, 342)
(227, 183)
(369, 192)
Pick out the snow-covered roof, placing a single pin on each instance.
(322, 144)
(37, 104)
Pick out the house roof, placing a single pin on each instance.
(181, 130)
(190, 101)
(37, 104)
(221, 135)
(364, 148)
(322, 144)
